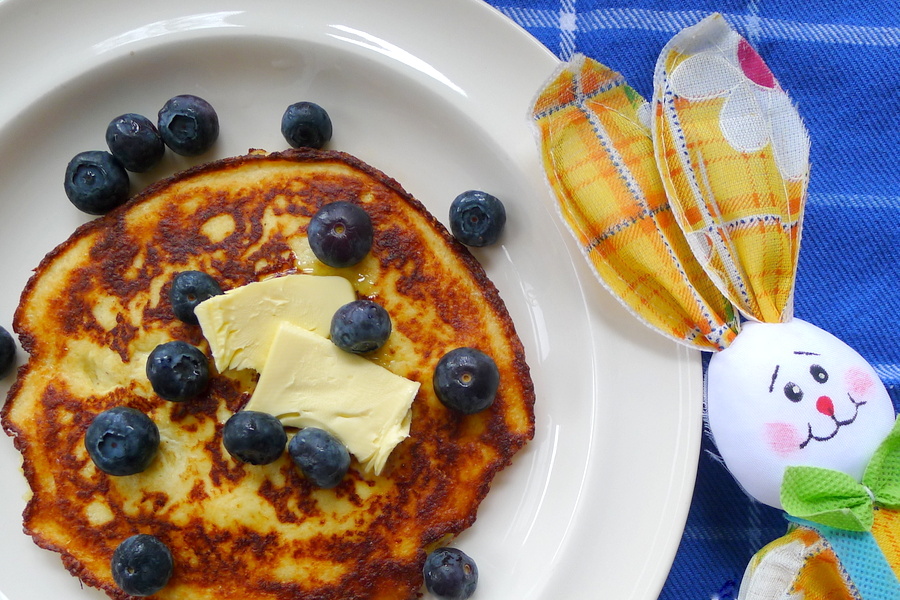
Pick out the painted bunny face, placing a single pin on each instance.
(788, 394)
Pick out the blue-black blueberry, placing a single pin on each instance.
(188, 124)
(190, 288)
(254, 437)
(320, 456)
(177, 371)
(466, 379)
(7, 352)
(360, 326)
(306, 125)
(122, 441)
(477, 218)
(450, 574)
(142, 565)
(96, 182)
(135, 141)
(340, 234)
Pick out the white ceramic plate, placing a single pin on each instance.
(436, 95)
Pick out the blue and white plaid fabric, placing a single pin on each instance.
(840, 61)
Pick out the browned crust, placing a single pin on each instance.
(394, 248)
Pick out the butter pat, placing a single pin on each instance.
(310, 382)
(241, 323)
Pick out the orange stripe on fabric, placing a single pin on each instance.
(737, 201)
(600, 163)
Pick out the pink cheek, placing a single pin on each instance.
(783, 438)
(858, 382)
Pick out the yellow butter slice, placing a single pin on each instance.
(309, 382)
(241, 323)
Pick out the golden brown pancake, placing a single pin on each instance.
(97, 305)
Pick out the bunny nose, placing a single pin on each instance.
(825, 406)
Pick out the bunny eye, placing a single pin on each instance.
(818, 373)
(793, 392)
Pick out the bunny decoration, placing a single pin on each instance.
(689, 209)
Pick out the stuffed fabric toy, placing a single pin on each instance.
(689, 208)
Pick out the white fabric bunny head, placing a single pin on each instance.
(790, 394)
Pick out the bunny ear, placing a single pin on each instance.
(734, 157)
(594, 137)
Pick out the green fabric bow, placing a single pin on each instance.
(836, 499)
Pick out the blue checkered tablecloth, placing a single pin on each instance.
(840, 61)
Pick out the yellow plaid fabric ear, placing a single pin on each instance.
(594, 137)
(734, 158)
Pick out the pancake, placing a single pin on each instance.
(97, 306)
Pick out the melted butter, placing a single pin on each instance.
(362, 275)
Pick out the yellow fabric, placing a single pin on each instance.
(738, 211)
(692, 207)
(887, 532)
(820, 575)
(598, 155)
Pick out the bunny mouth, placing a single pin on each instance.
(837, 425)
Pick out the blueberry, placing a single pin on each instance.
(7, 352)
(340, 234)
(477, 218)
(122, 441)
(177, 371)
(466, 379)
(320, 456)
(360, 326)
(188, 125)
(135, 141)
(306, 125)
(190, 288)
(254, 437)
(142, 565)
(96, 182)
(450, 574)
